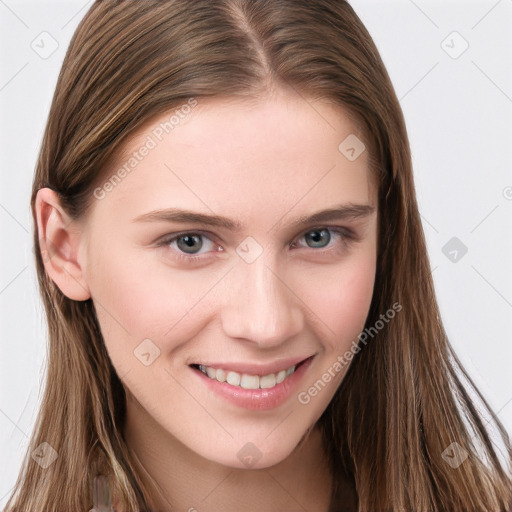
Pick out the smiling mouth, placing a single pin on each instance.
(245, 380)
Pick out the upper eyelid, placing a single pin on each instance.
(173, 236)
(348, 234)
(166, 239)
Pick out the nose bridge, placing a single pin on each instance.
(259, 306)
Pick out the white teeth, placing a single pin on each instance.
(233, 378)
(268, 381)
(250, 381)
(281, 376)
(247, 381)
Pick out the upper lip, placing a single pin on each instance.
(256, 368)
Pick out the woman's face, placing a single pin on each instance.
(227, 246)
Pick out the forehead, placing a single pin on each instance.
(264, 157)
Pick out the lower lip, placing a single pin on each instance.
(257, 399)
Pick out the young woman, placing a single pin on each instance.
(240, 305)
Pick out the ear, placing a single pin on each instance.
(59, 241)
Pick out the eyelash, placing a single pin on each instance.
(347, 237)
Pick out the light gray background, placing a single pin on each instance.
(459, 117)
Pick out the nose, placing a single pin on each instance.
(261, 307)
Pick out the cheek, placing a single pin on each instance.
(341, 298)
(138, 296)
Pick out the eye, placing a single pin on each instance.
(320, 238)
(189, 246)
(195, 246)
(190, 243)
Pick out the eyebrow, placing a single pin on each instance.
(339, 212)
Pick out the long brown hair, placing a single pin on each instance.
(405, 398)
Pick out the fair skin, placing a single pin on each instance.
(263, 164)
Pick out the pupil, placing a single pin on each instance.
(186, 243)
(319, 238)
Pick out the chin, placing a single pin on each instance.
(245, 454)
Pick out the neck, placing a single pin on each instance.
(186, 481)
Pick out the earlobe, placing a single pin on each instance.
(59, 241)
